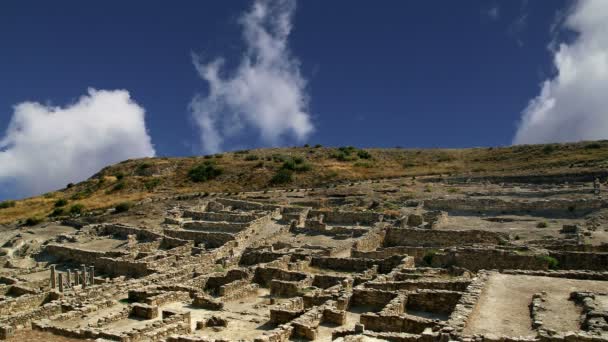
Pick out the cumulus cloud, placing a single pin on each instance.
(45, 147)
(573, 105)
(266, 92)
(493, 12)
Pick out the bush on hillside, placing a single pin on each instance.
(61, 203)
(204, 172)
(282, 176)
(122, 207)
(76, 209)
(7, 204)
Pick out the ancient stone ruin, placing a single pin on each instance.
(492, 262)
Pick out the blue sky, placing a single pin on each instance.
(383, 74)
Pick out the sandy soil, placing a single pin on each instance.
(39, 336)
(247, 317)
(503, 306)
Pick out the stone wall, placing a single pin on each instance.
(265, 275)
(440, 238)
(210, 239)
(356, 264)
(347, 217)
(435, 301)
(581, 260)
(553, 207)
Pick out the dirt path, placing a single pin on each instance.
(503, 306)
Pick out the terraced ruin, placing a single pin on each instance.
(397, 259)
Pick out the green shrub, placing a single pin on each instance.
(150, 184)
(548, 149)
(241, 152)
(7, 204)
(318, 146)
(60, 203)
(118, 186)
(343, 156)
(69, 185)
(32, 221)
(259, 165)
(251, 157)
(453, 190)
(297, 164)
(429, 256)
(542, 225)
(283, 176)
(204, 172)
(76, 209)
(142, 168)
(209, 156)
(367, 165)
(593, 146)
(57, 212)
(552, 263)
(122, 207)
(218, 155)
(306, 145)
(119, 175)
(364, 154)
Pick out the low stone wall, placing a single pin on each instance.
(312, 227)
(371, 241)
(219, 216)
(265, 275)
(213, 226)
(207, 302)
(210, 239)
(284, 288)
(410, 285)
(440, 238)
(466, 303)
(247, 205)
(347, 217)
(476, 259)
(435, 301)
(377, 299)
(286, 312)
(396, 323)
(325, 281)
(581, 260)
(356, 264)
(23, 303)
(553, 207)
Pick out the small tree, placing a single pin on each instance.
(7, 204)
(282, 176)
(76, 209)
(204, 172)
(61, 203)
(122, 207)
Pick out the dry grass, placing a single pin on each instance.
(134, 180)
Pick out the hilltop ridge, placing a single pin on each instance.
(310, 166)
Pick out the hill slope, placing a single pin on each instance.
(296, 167)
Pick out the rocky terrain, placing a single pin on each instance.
(318, 244)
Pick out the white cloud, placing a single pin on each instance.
(45, 147)
(266, 92)
(573, 105)
(493, 12)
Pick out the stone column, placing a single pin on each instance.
(76, 277)
(92, 272)
(53, 280)
(60, 282)
(69, 276)
(84, 277)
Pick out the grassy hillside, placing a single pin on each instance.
(312, 166)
